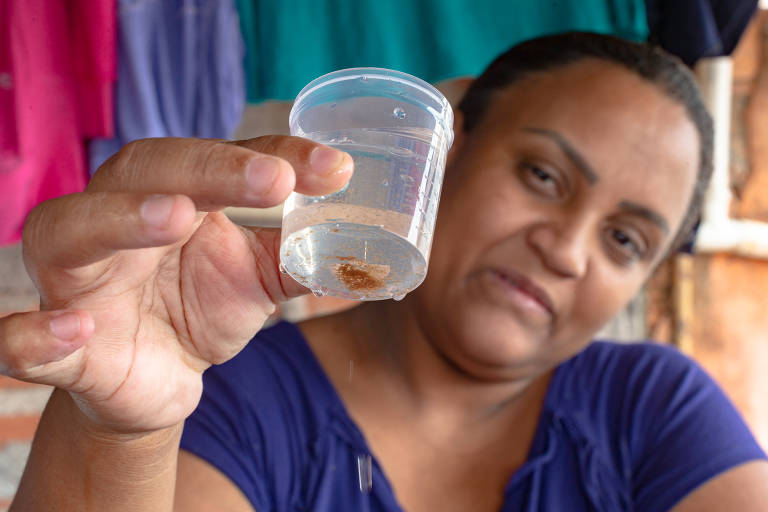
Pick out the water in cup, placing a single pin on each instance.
(362, 242)
(372, 239)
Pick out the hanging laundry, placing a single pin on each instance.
(180, 72)
(9, 137)
(290, 43)
(57, 68)
(693, 29)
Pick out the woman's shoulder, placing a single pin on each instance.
(645, 363)
(645, 397)
(654, 415)
(631, 353)
(634, 380)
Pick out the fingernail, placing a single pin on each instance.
(261, 174)
(324, 160)
(66, 327)
(157, 210)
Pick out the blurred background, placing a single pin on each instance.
(80, 78)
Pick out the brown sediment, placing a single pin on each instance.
(356, 279)
(360, 276)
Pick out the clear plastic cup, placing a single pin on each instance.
(371, 240)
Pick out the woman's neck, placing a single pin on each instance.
(388, 351)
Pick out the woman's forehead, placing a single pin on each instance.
(586, 86)
(599, 107)
(621, 127)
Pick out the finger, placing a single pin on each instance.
(79, 229)
(215, 173)
(32, 343)
(212, 173)
(319, 169)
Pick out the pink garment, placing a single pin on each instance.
(58, 61)
(9, 143)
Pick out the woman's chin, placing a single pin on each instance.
(494, 347)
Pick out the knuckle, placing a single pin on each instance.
(275, 145)
(38, 224)
(39, 214)
(50, 224)
(129, 150)
(202, 161)
(130, 147)
(212, 152)
(288, 148)
(14, 366)
(12, 358)
(32, 225)
(209, 159)
(117, 164)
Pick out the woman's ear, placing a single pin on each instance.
(458, 135)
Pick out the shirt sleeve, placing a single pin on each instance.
(222, 433)
(685, 430)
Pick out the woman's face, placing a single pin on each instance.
(555, 210)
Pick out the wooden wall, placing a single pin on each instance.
(715, 307)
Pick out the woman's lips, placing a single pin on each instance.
(521, 284)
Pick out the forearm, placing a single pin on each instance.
(75, 467)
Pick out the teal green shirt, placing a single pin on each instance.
(291, 42)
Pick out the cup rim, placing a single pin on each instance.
(341, 75)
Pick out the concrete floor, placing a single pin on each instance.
(16, 290)
(16, 294)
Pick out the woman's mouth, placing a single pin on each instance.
(524, 292)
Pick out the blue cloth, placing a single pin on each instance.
(623, 427)
(693, 29)
(180, 72)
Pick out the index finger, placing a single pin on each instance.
(319, 169)
(258, 173)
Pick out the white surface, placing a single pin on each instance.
(13, 457)
(23, 401)
(261, 217)
(719, 233)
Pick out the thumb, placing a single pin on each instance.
(30, 342)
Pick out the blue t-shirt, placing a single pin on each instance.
(623, 427)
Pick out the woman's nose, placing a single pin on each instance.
(562, 248)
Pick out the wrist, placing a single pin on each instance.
(77, 461)
(142, 452)
(79, 417)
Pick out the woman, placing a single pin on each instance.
(578, 164)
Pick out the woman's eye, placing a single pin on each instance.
(626, 247)
(540, 179)
(542, 175)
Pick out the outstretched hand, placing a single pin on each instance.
(144, 283)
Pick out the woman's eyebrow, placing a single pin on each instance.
(567, 148)
(646, 213)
